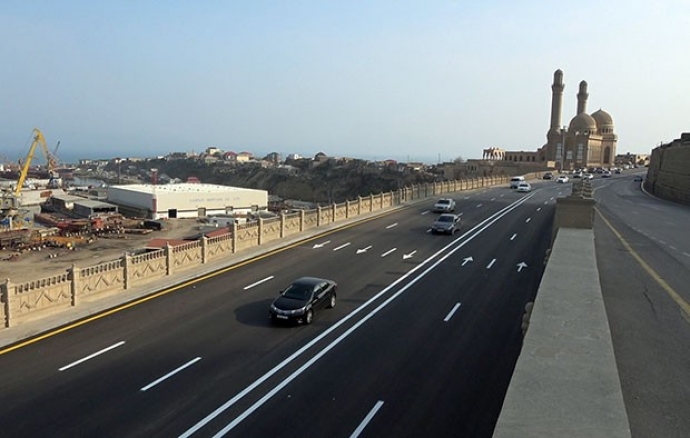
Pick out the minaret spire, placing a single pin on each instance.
(582, 98)
(557, 99)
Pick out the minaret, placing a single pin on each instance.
(582, 98)
(556, 99)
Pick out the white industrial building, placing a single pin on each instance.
(186, 200)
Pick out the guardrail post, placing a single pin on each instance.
(333, 213)
(5, 295)
(282, 224)
(233, 230)
(204, 249)
(72, 275)
(371, 202)
(126, 262)
(260, 225)
(168, 259)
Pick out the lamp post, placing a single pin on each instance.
(118, 161)
(154, 200)
(562, 157)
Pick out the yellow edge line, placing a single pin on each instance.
(166, 291)
(684, 306)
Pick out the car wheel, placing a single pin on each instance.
(331, 303)
(309, 317)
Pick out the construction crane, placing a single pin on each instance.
(38, 140)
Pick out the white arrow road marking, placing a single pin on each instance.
(367, 419)
(91, 356)
(320, 245)
(258, 283)
(513, 236)
(410, 255)
(521, 265)
(528, 219)
(452, 312)
(466, 260)
(392, 226)
(342, 246)
(359, 251)
(491, 263)
(388, 252)
(170, 374)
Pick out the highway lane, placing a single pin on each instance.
(405, 353)
(210, 338)
(643, 252)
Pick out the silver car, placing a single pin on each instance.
(447, 223)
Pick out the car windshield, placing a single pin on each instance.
(298, 291)
(445, 219)
(443, 201)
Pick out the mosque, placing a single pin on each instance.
(589, 141)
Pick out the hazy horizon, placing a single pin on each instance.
(381, 78)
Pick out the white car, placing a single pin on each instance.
(524, 187)
(444, 205)
(562, 179)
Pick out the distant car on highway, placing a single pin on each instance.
(524, 187)
(638, 179)
(302, 299)
(548, 175)
(606, 174)
(447, 223)
(562, 179)
(514, 181)
(444, 205)
(587, 176)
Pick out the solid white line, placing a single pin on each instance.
(491, 264)
(452, 312)
(258, 282)
(91, 356)
(170, 374)
(392, 226)
(469, 236)
(388, 252)
(513, 236)
(342, 246)
(367, 419)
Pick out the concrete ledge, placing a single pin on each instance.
(566, 382)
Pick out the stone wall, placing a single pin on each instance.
(668, 176)
(37, 299)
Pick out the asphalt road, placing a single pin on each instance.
(643, 256)
(422, 341)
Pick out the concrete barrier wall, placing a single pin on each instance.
(43, 297)
(565, 382)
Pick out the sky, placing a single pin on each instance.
(427, 81)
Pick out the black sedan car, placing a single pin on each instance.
(302, 299)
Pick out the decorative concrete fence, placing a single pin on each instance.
(42, 297)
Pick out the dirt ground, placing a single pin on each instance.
(37, 264)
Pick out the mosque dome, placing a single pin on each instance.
(603, 119)
(583, 122)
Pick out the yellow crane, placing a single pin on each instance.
(38, 140)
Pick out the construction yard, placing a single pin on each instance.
(57, 253)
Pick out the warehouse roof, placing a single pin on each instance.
(181, 188)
